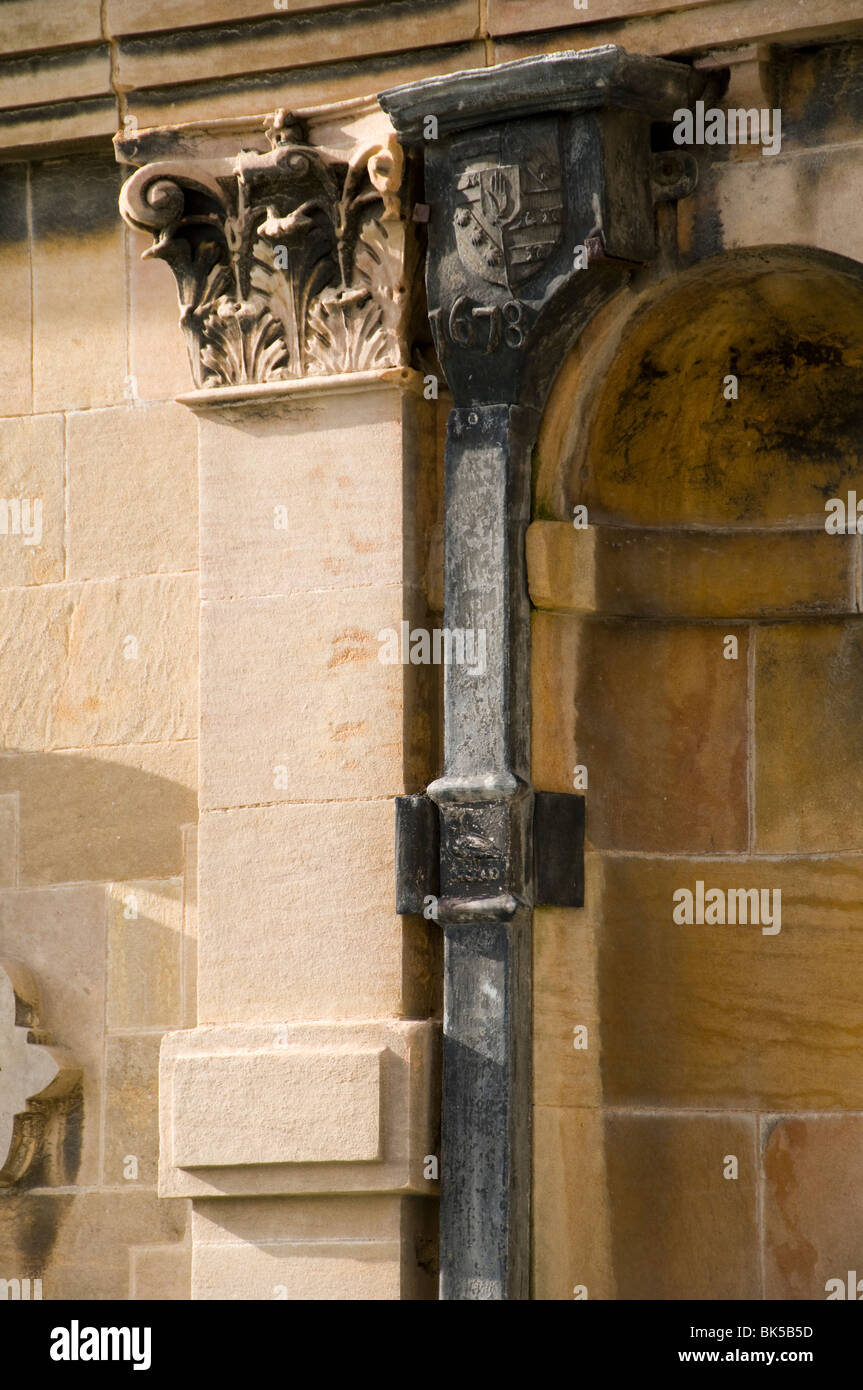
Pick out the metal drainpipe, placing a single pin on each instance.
(523, 164)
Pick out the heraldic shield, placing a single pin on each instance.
(512, 218)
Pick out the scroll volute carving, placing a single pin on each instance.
(36, 1078)
(289, 263)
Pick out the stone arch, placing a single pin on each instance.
(786, 316)
(706, 519)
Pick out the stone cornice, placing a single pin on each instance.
(293, 258)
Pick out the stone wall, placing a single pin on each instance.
(98, 642)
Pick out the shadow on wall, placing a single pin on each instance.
(91, 902)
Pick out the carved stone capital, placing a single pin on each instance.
(541, 187)
(293, 258)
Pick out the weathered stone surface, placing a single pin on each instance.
(312, 933)
(310, 266)
(680, 1228)
(617, 571)
(803, 200)
(32, 508)
(145, 954)
(659, 716)
(16, 377)
(298, 88)
(70, 76)
(814, 1230)
(305, 39)
(808, 761)
(712, 1016)
(103, 814)
(769, 458)
(674, 29)
(78, 1243)
(60, 124)
(38, 24)
(322, 494)
(79, 354)
(131, 1109)
(158, 360)
(310, 663)
(133, 492)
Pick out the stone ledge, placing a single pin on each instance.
(632, 572)
(275, 392)
(306, 1108)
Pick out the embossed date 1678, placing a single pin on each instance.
(482, 327)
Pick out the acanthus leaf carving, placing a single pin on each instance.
(292, 262)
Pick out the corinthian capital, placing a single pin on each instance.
(292, 258)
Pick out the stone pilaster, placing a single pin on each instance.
(308, 1084)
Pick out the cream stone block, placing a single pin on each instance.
(300, 87)
(296, 704)
(130, 673)
(297, 914)
(665, 29)
(320, 494)
(145, 923)
(328, 1247)
(133, 491)
(79, 291)
(804, 199)
(141, 16)
(35, 631)
(38, 24)
(32, 507)
(59, 936)
(102, 814)
(298, 1108)
(336, 1272)
(281, 1107)
(16, 384)
(299, 39)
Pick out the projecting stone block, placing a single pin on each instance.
(280, 1107)
(298, 1109)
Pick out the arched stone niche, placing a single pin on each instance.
(706, 520)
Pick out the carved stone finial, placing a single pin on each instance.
(33, 1075)
(294, 262)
